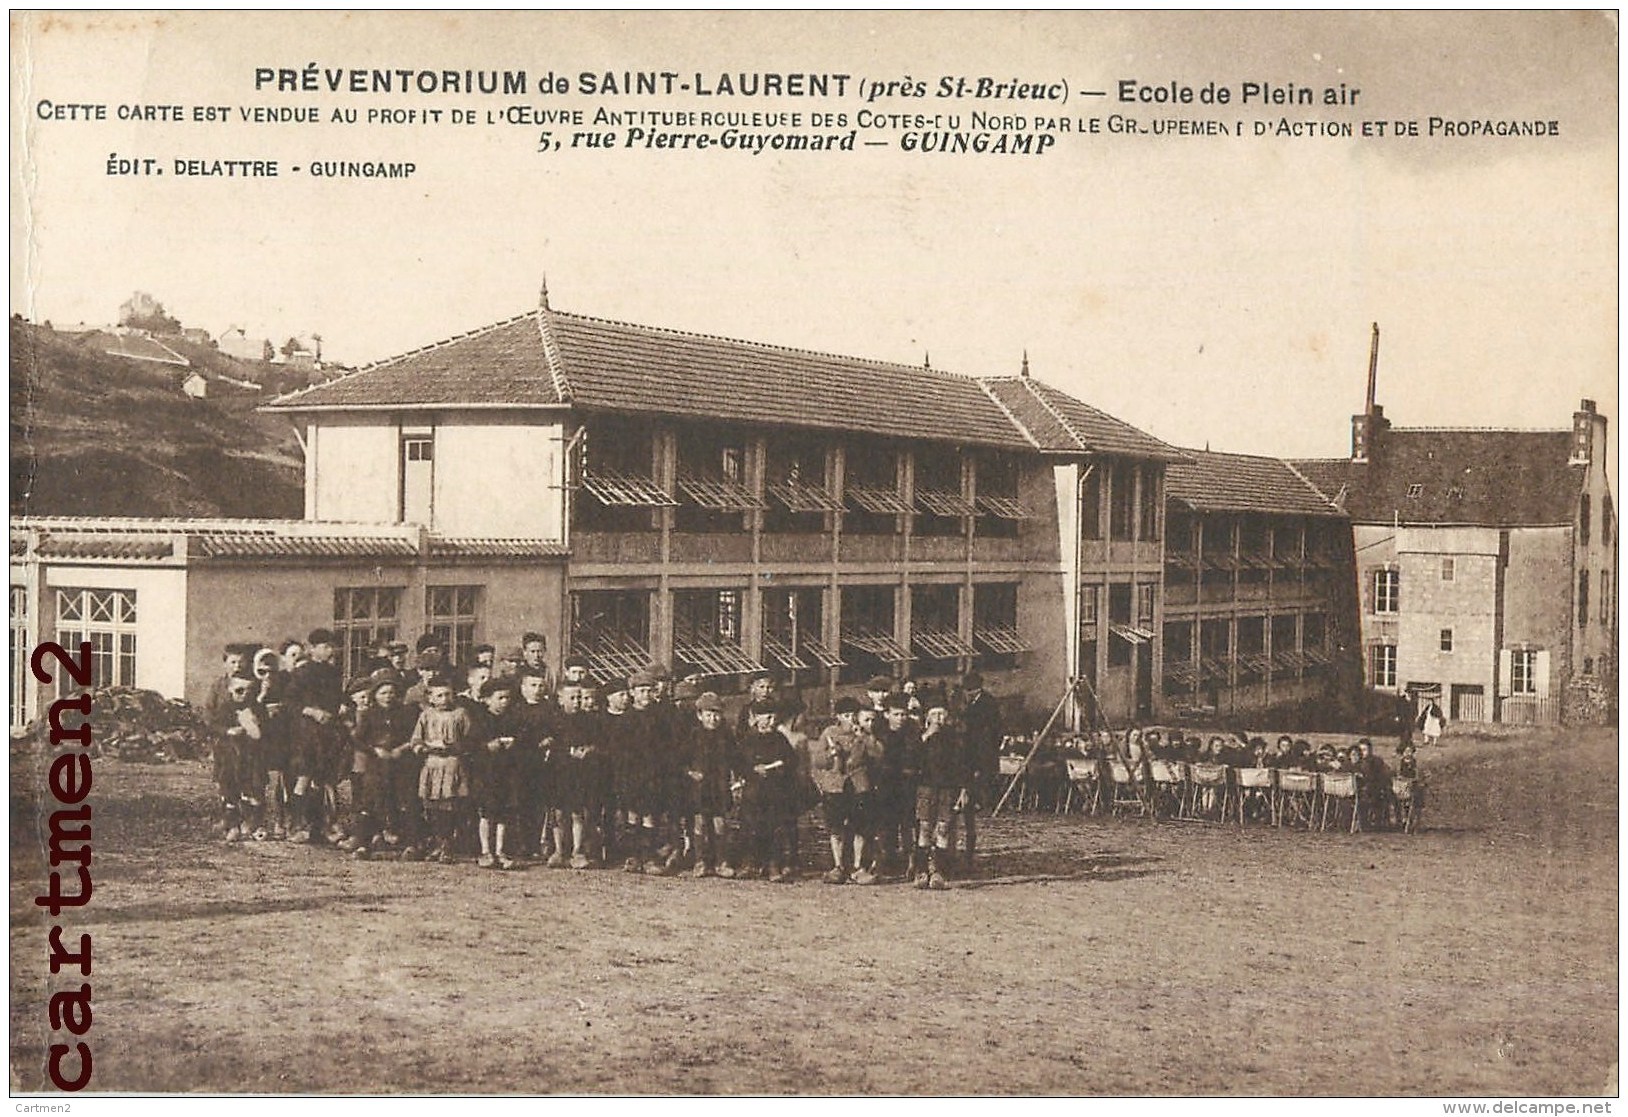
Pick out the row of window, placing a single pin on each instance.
(620, 483)
(1385, 594)
(1523, 668)
(366, 615)
(1250, 546)
(612, 628)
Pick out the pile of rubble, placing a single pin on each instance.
(141, 726)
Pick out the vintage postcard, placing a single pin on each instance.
(928, 554)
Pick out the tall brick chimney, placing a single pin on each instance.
(1366, 427)
(1587, 425)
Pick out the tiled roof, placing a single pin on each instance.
(105, 547)
(252, 545)
(1057, 421)
(1217, 482)
(549, 358)
(500, 364)
(1326, 475)
(496, 548)
(130, 538)
(1492, 478)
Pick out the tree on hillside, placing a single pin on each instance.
(143, 312)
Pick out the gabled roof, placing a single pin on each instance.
(1489, 478)
(1055, 420)
(548, 358)
(1216, 482)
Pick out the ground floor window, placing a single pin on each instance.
(107, 619)
(1383, 666)
(363, 616)
(867, 631)
(793, 624)
(1523, 671)
(611, 628)
(707, 633)
(453, 614)
(935, 629)
(995, 623)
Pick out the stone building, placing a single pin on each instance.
(1486, 561)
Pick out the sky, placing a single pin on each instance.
(1211, 290)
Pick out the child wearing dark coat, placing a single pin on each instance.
(385, 780)
(766, 769)
(492, 761)
(238, 772)
(708, 756)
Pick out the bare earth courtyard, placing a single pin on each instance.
(1089, 956)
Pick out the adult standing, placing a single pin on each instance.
(981, 723)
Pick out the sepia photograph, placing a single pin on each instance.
(864, 554)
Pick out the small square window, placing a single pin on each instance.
(1446, 639)
(1415, 492)
(1455, 493)
(1447, 570)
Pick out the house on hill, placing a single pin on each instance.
(1485, 560)
(236, 342)
(642, 494)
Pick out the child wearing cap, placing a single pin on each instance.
(441, 736)
(708, 753)
(315, 695)
(642, 778)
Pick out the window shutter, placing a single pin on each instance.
(1505, 663)
(1368, 584)
(1541, 671)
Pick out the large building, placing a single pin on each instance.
(641, 494)
(1485, 561)
(1259, 612)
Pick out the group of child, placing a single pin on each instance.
(574, 773)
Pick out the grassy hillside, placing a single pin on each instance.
(98, 435)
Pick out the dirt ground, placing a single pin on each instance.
(1089, 956)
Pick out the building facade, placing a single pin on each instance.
(641, 495)
(1258, 609)
(1486, 565)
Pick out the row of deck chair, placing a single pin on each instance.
(1209, 793)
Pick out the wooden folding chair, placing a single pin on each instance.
(1207, 789)
(1255, 785)
(1339, 789)
(1084, 784)
(1167, 786)
(1297, 798)
(1126, 795)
